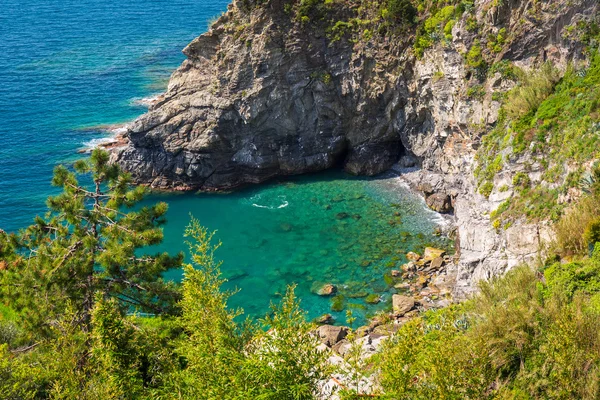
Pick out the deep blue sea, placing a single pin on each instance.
(70, 68)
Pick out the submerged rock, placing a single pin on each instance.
(373, 299)
(285, 227)
(342, 215)
(324, 319)
(322, 289)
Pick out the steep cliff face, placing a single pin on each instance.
(260, 96)
(265, 93)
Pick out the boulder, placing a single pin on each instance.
(324, 319)
(439, 202)
(432, 253)
(409, 267)
(402, 304)
(412, 256)
(436, 263)
(395, 273)
(342, 347)
(330, 335)
(402, 286)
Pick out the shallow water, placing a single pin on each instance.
(323, 229)
(69, 67)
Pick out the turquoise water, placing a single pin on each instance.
(69, 68)
(311, 231)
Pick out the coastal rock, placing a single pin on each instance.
(436, 263)
(263, 95)
(431, 253)
(402, 304)
(439, 202)
(325, 319)
(412, 256)
(330, 335)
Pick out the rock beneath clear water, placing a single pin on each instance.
(286, 227)
(330, 335)
(412, 256)
(322, 289)
(373, 299)
(325, 319)
(402, 304)
(342, 215)
(358, 295)
(235, 274)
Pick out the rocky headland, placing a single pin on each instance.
(279, 88)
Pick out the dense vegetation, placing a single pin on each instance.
(68, 330)
(76, 294)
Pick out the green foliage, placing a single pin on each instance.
(518, 338)
(532, 90)
(439, 23)
(575, 277)
(554, 121)
(401, 11)
(476, 92)
(474, 57)
(88, 242)
(224, 360)
(496, 42)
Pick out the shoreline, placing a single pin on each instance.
(116, 134)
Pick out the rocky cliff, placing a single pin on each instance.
(282, 87)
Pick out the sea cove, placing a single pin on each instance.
(312, 231)
(92, 65)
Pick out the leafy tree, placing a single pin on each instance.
(222, 359)
(89, 242)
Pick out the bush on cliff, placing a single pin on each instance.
(519, 338)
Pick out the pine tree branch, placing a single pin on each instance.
(68, 254)
(125, 282)
(24, 349)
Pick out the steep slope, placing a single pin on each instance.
(287, 87)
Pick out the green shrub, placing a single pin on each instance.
(401, 11)
(517, 339)
(474, 56)
(532, 90)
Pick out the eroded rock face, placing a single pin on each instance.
(402, 304)
(277, 99)
(261, 96)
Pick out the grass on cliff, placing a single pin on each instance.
(522, 337)
(554, 125)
